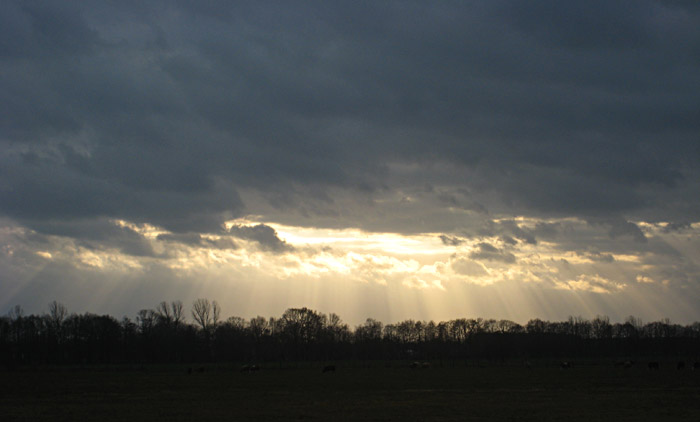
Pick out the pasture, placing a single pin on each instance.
(376, 392)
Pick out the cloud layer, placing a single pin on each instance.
(453, 119)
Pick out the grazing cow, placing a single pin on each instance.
(414, 365)
(628, 364)
(425, 365)
(565, 365)
(680, 365)
(653, 366)
(528, 364)
(696, 366)
(328, 368)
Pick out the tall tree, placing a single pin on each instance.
(57, 314)
(206, 314)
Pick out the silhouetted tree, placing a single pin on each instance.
(163, 335)
(15, 313)
(370, 331)
(206, 314)
(601, 328)
(176, 312)
(169, 314)
(57, 314)
(146, 320)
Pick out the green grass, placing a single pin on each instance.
(506, 393)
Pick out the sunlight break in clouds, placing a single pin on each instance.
(421, 262)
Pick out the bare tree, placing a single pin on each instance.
(302, 325)
(337, 330)
(176, 312)
(507, 326)
(145, 320)
(171, 314)
(371, 330)
(459, 329)
(57, 314)
(600, 327)
(258, 327)
(201, 312)
(237, 323)
(206, 314)
(164, 314)
(15, 313)
(215, 312)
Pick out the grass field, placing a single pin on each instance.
(397, 393)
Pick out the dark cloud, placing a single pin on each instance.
(547, 230)
(597, 256)
(620, 228)
(508, 240)
(676, 227)
(97, 234)
(53, 191)
(164, 113)
(451, 240)
(581, 26)
(195, 239)
(463, 266)
(510, 232)
(516, 231)
(486, 251)
(47, 28)
(263, 234)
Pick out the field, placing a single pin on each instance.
(381, 393)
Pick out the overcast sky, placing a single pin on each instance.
(425, 160)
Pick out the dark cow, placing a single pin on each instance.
(653, 366)
(565, 365)
(680, 365)
(425, 365)
(696, 366)
(628, 364)
(414, 365)
(328, 368)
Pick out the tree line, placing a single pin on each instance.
(167, 334)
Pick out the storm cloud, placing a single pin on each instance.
(160, 112)
(498, 126)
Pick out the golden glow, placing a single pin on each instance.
(401, 274)
(146, 230)
(593, 283)
(107, 260)
(644, 279)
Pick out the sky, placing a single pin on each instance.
(394, 160)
